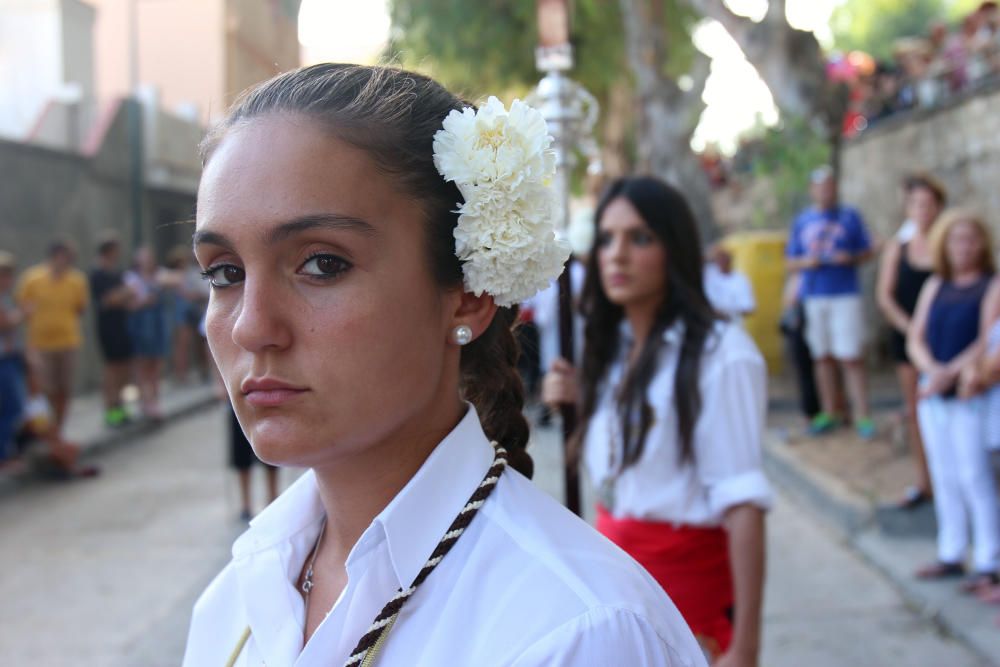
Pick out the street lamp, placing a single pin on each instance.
(570, 112)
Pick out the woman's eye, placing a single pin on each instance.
(603, 240)
(324, 266)
(642, 238)
(223, 275)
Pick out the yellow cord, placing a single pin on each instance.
(367, 662)
(239, 647)
(373, 652)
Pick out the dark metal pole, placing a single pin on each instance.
(568, 411)
(553, 56)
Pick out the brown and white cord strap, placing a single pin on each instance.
(370, 643)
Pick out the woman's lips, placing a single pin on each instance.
(618, 279)
(267, 392)
(270, 398)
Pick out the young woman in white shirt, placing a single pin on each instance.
(672, 412)
(353, 341)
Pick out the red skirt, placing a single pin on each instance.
(692, 565)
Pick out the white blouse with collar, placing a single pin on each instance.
(726, 470)
(527, 584)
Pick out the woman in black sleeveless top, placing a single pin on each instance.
(904, 267)
(949, 330)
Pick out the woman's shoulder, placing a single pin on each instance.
(728, 343)
(580, 575)
(217, 618)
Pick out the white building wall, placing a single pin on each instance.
(30, 62)
(46, 56)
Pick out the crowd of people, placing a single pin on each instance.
(938, 289)
(924, 71)
(137, 312)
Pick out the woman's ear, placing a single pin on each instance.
(474, 312)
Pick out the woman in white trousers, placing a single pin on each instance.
(948, 333)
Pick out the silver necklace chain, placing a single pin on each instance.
(307, 581)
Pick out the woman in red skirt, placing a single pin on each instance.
(672, 400)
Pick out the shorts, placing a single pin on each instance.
(187, 313)
(56, 369)
(114, 340)
(148, 333)
(897, 348)
(835, 326)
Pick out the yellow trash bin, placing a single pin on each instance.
(760, 256)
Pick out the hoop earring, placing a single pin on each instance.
(461, 335)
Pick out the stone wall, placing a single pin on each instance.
(47, 194)
(959, 143)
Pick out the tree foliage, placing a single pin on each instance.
(786, 155)
(873, 26)
(489, 45)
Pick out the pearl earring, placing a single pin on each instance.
(462, 334)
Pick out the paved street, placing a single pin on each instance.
(104, 572)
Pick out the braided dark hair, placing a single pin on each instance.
(392, 115)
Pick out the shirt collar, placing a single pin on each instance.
(420, 514)
(413, 522)
(297, 509)
(672, 335)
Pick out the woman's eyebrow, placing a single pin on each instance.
(284, 231)
(331, 221)
(211, 238)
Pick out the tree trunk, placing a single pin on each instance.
(614, 131)
(667, 114)
(790, 62)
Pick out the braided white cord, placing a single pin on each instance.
(359, 658)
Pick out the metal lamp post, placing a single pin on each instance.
(570, 112)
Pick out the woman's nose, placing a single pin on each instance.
(262, 322)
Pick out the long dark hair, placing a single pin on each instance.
(669, 217)
(392, 115)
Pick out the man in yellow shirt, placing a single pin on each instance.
(53, 296)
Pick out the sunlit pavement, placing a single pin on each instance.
(104, 572)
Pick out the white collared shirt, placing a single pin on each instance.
(727, 439)
(528, 583)
(730, 293)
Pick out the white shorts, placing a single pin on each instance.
(835, 326)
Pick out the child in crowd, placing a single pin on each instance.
(11, 362)
(20, 378)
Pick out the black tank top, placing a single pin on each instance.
(909, 280)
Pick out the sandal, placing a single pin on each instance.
(989, 595)
(913, 497)
(939, 570)
(980, 581)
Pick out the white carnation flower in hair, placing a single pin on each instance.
(513, 277)
(503, 164)
(494, 147)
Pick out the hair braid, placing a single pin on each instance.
(491, 383)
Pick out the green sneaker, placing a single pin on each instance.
(866, 428)
(115, 417)
(822, 423)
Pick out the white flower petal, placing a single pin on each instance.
(503, 164)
